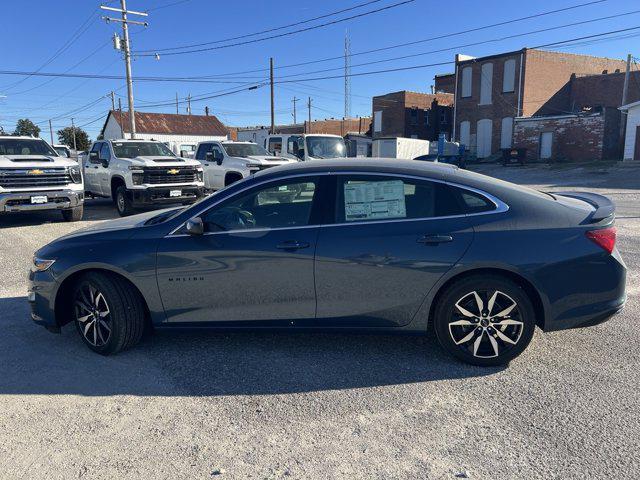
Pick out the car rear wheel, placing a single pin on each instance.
(485, 320)
(108, 313)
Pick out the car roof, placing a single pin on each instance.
(382, 165)
(20, 137)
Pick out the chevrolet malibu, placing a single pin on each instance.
(385, 245)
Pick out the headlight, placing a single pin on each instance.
(199, 175)
(75, 174)
(137, 178)
(40, 264)
(135, 168)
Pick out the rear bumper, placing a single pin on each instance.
(162, 195)
(56, 200)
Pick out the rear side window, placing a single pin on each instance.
(473, 202)
(374, 198)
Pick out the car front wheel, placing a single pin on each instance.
(123, 202)
(485, 320)
(108, 313)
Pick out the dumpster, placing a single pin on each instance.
(512, 156)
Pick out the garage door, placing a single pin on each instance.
(546, 143)
(484, 138)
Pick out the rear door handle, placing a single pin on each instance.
(292, 245)
(435, 239)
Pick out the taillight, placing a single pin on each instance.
(604, 238)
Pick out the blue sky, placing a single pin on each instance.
(42, 28)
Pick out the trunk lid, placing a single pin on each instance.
(597, 208)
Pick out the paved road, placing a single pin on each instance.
(261, 405)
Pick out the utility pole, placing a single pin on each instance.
(309, 107)
(206, 111)
(177, 109)
(120, 122)
(189, 104)
(113, 100)
(127, 53)
(625, 94)
(294, 109)
(347, 75)
(73, 127)
(51, 131)
(273, 119)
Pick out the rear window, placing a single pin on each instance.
(473, 202)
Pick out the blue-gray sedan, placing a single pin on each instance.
(385, 245)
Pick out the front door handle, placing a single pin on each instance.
(292, 245)
(435, 239)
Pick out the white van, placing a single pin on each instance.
(306, 146)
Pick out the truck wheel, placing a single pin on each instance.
(123, 202)
(108, 313)
(73, 214)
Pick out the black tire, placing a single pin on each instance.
(112, 319)
(73, 214)
(233, 178)
(481, 340)
(123, 202)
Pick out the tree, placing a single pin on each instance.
(65, 136)
(26, 127)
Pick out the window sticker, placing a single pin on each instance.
(374, 200)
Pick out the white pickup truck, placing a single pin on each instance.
(139, 173)
(227, 162)
(306, 146)
(34, 177)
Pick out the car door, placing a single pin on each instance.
(213, 173)
(392, 240)
(252, 264)
(104, 169)
(91, 181)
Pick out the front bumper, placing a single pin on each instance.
(56, 200)
(41, 298)
(162, 195)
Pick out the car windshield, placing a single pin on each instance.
(141, 149)
(23, 146)
(244, 149)
(326, 147)
(63, 151)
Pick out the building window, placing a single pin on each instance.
(506, 133)
(414, 116)
(466, 82)
(486, 83)
(377, 121)
(509, 76)
(465, 133)
(426, 117)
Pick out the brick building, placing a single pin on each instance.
(412, 115)
(445, 83)
(492, 91)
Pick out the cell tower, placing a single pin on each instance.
(347, 77)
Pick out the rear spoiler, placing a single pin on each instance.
(604, 207)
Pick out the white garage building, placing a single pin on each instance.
(632, 135)
(178, 132)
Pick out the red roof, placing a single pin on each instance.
(172, 124)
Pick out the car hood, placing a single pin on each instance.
(126, 225)
(267, 159)
(164, 162)
(34, 161)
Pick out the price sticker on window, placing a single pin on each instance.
(374, 200)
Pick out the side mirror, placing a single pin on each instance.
(195, 226)
(104, 163)
(93, 157)
(209, 157)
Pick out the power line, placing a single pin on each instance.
(293, 32)
(302, 22)
(415, 42)
(171, 4)
(473, 44)
(115, 77)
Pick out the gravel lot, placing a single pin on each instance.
(261, 405)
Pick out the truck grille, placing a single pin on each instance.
(34, 177)
(161, 175)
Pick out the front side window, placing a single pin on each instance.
(19, 146)
(203, 149)
(275, 145)
(141, 149)
(364, 198)
(105, 154)
(282, 204)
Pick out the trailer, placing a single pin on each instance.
(400, 147)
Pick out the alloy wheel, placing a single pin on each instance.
(93, 315)
(120, 200)
(486, 323)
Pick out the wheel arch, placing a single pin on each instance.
(237, 176)
(116, 181)
(530, 289)
(62, 300)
